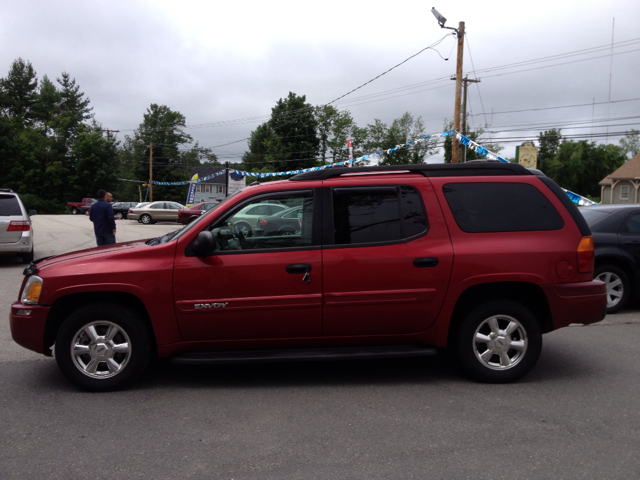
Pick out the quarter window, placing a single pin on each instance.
(501, 207)
(377, 214)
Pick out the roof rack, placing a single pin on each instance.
(6, 190)
(428, 170)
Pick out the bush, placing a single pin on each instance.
(40, 205)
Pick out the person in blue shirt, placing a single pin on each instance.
(104, 223)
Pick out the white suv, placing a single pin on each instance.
(16, 234)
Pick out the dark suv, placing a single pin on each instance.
(616, 235)
(481, 258)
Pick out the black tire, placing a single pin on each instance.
(27, 257)
(499, 353)
(74, 211)
(244, 228)
(618, 286)
(146, 219)
(128, 351)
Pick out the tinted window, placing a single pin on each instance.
(593, 216)
(380, 214)
(501, 207)
(632, 225)
(9, 205)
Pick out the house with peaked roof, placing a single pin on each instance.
(622, 185)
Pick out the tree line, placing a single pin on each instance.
(53, 150)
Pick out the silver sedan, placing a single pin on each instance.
(155, 212)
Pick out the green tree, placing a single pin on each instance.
(288, 141)
(72, 111)
(164, 129)
(263, 147)
(549, 147)
(630, 143)
(46, 104)
(18, 92)
(579, 166)
(95, 160)
(335, 127)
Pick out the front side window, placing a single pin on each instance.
(377, 214)
(256, 225)
(501, 207)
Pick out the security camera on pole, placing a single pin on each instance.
(455, 150)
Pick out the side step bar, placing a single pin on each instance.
(302, 354)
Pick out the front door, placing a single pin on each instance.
(253, 286)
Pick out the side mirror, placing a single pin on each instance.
(32, 213)
(204, 243)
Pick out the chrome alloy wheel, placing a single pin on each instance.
(101, 349)
(615, 287)
(500, 342)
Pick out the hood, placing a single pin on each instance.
(105, 251)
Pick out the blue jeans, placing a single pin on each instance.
(105, 239)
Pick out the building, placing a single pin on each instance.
(214, 189)
(622, 185)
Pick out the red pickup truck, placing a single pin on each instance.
(76, 206)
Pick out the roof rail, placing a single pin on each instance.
(428, 170)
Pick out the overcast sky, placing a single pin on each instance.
(223, 63)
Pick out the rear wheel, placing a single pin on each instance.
(145, 219)
(102, 347)
(618, 286)
(27, 257)
(74, 210)
(244, 228)
(499, 342)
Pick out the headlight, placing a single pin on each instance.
(32, 289)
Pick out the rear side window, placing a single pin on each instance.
(377, 214)
(501, 207)
(9, 205)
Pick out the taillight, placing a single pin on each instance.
(262, 221)
(19, 226)
(585, 254)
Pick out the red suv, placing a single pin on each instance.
(482, 258)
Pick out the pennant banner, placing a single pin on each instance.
(467, 142)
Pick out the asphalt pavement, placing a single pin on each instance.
(575, 415)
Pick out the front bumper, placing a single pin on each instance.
(584, 302)
(27, 329)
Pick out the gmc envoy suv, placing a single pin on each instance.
(481, 258)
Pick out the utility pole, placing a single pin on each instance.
(150, 172)
(455, 149)
(226, 180)
(464, 130)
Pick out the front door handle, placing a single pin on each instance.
(297, 268)
(425, 262)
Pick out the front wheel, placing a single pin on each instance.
(499, 342)
(618, 286)
(145, 219)
(102, 347)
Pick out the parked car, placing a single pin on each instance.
(189, 214)
(286, 222)
(155, 212)
(76, 206)
(480, 258)
(247, 219)
(616, 235)
(16, 231)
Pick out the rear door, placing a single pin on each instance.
(387, 258)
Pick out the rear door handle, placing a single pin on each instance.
(425, 262)
(298, 268)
